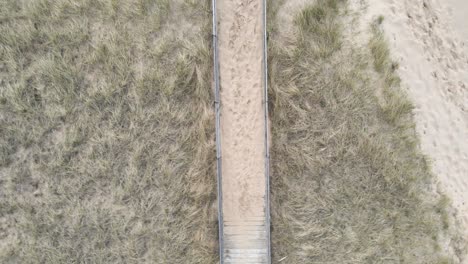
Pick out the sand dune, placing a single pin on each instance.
(429, 45)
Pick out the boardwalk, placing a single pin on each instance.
(242, 135)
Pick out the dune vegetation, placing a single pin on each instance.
(106, 132)
(107, 139)
(349, 184)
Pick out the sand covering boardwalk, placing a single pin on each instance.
(240, 42)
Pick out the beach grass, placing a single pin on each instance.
(107, 139)
(349, 183)
(106, 132)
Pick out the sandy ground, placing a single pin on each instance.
(457, 15)
(427, 38)
(242, 124)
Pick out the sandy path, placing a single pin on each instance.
(434, 69)
(242, 129)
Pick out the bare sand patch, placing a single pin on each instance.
(457, 11)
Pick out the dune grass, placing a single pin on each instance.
(107, 151)
(349, 184)
(106, 132)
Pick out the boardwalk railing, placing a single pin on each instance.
(217, 105)
(267, 136)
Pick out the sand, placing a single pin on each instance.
(427, 38)
(242, 128)
(457, 15)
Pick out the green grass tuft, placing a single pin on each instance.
(319, 21)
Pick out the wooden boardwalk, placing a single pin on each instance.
(246, 241)
(240, 89)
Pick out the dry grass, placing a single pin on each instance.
(106, 132)
(349, 184)
(106, 140)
